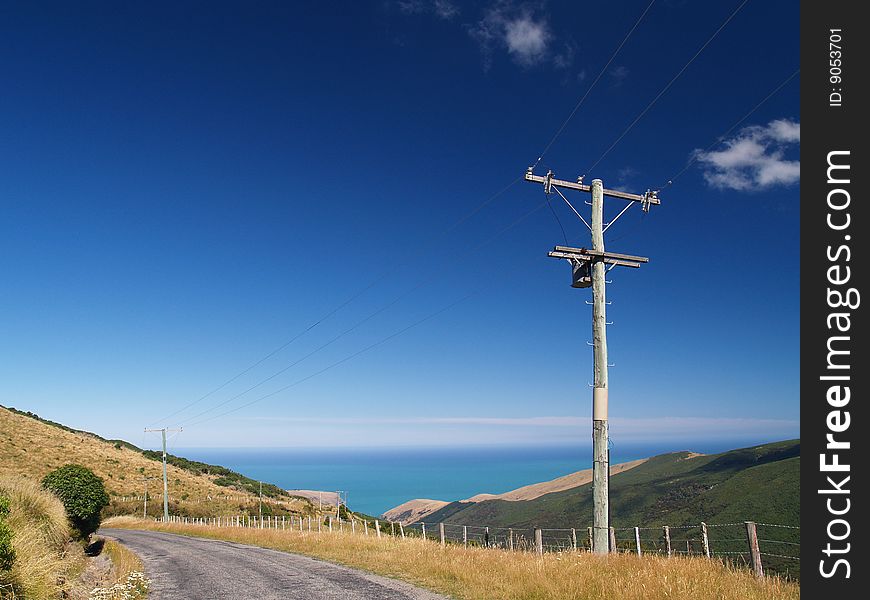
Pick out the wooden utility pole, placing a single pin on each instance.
(146, 479)
(165, 481)
(588, 270)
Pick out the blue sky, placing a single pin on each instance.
(187, 186)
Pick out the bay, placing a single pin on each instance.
(377, 479)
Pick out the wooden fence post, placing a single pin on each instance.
(392, 529)
(589, 537)
(378, 528)
(441, 531)
(511, 538)
(539, 541)
(486, 538)
(401, 530)
(613, 547)
(754, 552)
(330, 523)
(353, 525)
(366, 526)
(284, 522)
(573, 539)
(637, 539)
(465, 536)
(309, 523)
(667, 533)
(705, 539)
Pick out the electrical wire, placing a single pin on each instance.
(667, 87)
(421, 283)
(697, 155)
(339, 362)
(592, 85)
(559, 221)
(341, 305)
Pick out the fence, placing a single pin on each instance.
(762, 547)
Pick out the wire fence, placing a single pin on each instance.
(765, 548)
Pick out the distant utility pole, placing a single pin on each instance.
(165, 482)
(588, 269)
(146, 479)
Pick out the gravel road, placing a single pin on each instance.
(185, 568)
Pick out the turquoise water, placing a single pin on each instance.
(379, 479)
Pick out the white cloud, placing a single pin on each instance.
(525, 37)
(754, 158)
(619, 75)
(445, 9)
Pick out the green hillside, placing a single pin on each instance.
(680, 490)
(759, 483)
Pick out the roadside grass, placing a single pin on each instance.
(46, 563)
(484, 574)
(124, 561)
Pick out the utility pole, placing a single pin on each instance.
(146, 479)
(588, 270)
(165, 481)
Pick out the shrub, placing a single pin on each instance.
(7, 553)
(82, 494)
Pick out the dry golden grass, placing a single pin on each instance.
(487, 574)
(124, 561)
(32, 449)
(45, 561)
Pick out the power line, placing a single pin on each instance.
(667, 87)
(375, 344)
(592, 85)
(339, 362)
(697, 155)
(343, 304)
(421, 283)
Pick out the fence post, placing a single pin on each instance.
(613, 547)
(401, 530)
(754, 552)
(300, 524)
(330, 523)
(284, 522)
(392, 529)
(465, 536)
(539, 541)
(441, 532)
(353, 525)
(705, 539)
(486, 538)
(637, 539)
(667, 532)
(366, 526)
(378, 528)
(309, 523)
(589, 537)
(423, 529)
(574, 539)
(511, 538)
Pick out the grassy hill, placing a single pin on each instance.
(759, 483)
(31, 446)
(680, 490)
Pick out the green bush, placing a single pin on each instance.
(7, 553)
(82, 494)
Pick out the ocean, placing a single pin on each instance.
(377, 479)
